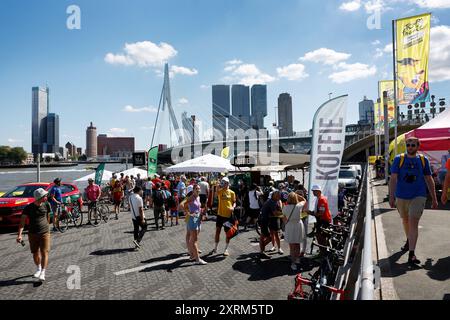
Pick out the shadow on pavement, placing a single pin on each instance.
(390, 268)
(16, 282)
(440, 270)
(111, 251)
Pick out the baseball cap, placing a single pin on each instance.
(225, 179)
(57, 180)
(190, 188)
(38, 194)
(316, 187)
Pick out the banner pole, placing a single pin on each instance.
(386, 137)
(394, 55)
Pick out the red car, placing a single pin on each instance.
(13, 202)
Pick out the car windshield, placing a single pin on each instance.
(21, 192)
(347, 174)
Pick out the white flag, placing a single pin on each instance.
(328, 142)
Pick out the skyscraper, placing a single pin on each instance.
(91, 141)
(366, 111)
(40, 108)
(52, 133)
(240, 97)
(259, 106)
(285, 115)
(220, 108)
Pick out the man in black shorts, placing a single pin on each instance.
(271, 208)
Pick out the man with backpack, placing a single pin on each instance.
(411, 174)
(159, 205)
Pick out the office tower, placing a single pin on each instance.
(240, 97)
(91, 141)
(366, 111)
(52, 139)
(220, 108)
(285, 125)
(259, 106)
(39, 111)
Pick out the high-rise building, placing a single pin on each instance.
(366, 111)
(240, 97)
(40, 108)
(52, 133)
(285, 124)
(79, 152)
(91, 141)
(259, 106)
(220, 108)
(71, 149)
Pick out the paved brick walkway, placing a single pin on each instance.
(102, 251)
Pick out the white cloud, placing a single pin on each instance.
(248, 74)
(292, 72)
(129, 108)
(11, 140)
(376, 42)
(143, 54)
(233, 62)
(375, 5)
(433, 4)
(350, 72)
(440, 53)
(183, 101)
(182, 70)
(388, 48)
(204, 86)
(378, 53)
(351, 5)
(325, 56)
(117, 130)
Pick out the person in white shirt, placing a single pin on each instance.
(255, 205)
(137, 215)
(204, 191)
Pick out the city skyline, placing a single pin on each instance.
(111, 73)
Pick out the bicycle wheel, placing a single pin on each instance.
(103, 213)
(94, 217)
(77, 217)
(63, 222)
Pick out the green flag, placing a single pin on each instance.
(152, 160)
(99, 174)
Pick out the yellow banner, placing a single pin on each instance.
(378, 123)
(388, 86)
(412, 51)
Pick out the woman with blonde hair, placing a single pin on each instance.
(294, 229)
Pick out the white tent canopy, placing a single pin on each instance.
(106, 176)
(134, 172)
(206, 163)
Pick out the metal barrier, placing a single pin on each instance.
(356, 275)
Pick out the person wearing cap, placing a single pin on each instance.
(93, 194)
(55, 197)
(38, 214)
(225, 209)
(410, 177)
(322, 214)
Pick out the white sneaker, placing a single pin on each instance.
(37, 274)
(42, 276)
(201, 262)
(226, 253)
(280, 251)
(272, 250)
(294, 267)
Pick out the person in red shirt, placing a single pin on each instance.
(156, 180)
(93, 194)
(446, 183)
(323, 216)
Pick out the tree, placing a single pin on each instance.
(18, 155)
(4, 153)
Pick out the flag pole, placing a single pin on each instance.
(394, 55)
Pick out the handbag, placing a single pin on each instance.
(283, 225)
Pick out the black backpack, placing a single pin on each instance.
(171, 202)
(158, 198)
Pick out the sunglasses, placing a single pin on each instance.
(411, 145)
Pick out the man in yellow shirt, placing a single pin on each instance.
(227, 203)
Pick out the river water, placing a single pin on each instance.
(9, 178)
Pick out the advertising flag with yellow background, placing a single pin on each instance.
(378, 120)
(388, 86)
(412, 51)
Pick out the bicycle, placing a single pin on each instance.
(99, 212)
(68, 214)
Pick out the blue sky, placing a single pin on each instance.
(305, 47)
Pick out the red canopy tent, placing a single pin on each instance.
(434, 138)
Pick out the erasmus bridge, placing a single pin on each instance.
(359, 140)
